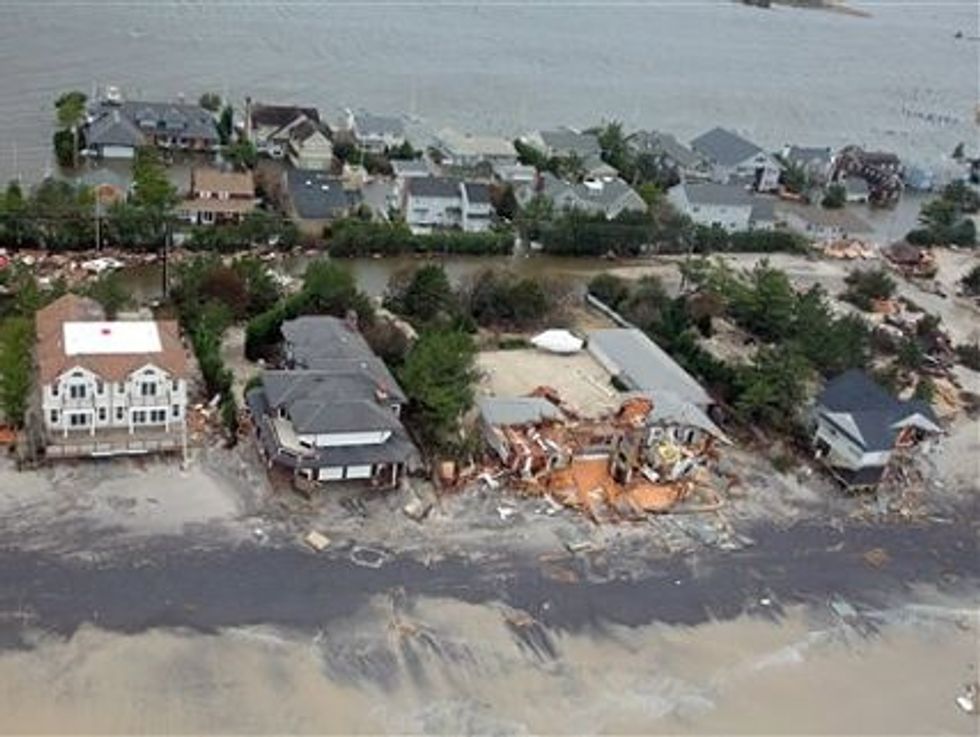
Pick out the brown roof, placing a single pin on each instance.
(52, 360)
(214, 205)
(209, 179)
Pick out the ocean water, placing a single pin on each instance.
(897, 79)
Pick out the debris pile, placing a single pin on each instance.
(911, 261)
(647, 457)
(848, 249)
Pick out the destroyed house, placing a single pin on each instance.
(857, 426)
(333, 413)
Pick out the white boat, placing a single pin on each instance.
(557, 341)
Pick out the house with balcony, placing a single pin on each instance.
(269, 127)
(218, 197)
(109, 387)
(727, 206)
(331, 414)
(375, 133)
(438, 203)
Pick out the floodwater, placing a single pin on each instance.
(898, 79)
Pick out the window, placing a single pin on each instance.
(139, 417)
(78, 419)
(158, 416)
(176, 384)
(99, 387)
(102, 414)
(54, 417)
(176, 410)
(121, 387)
(76, 391)
(119, 413)
(148, 389)
(54, 389)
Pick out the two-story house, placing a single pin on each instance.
(436, 203)
(727, 206)
(268, 127)
(332, 414)
(467, 150)
(310, 146)
(734, 159)
(218, 197)
(857, 426)
(109, 387)
(607, 196)
(375, 133)
(117, 130)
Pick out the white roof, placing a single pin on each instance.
(118, 337)
(557, 341)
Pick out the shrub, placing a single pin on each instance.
(969, 355)
(865, 286)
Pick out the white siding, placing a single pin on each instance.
(334, 440)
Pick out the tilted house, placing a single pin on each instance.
(734, 159)
(109, 387)
(333, 413)
(857, 426)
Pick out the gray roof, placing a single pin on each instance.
(316, 195)
(277, 116)
(112, 128)
(724, 147)
(808, 155)
(856, 185)
(711, 193)
(378, 125)
(565, 141)
(446, 187)
(867, 413)
(599, 196)
(506, 411)
(669, 409)
(326, 343)
(410, 166)
(665, 146)
(477, 192)
(167, 118)
(643, 365)
(763, 210)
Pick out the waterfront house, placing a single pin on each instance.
(467, 151)
(734, 159)
(711, 204)
(436, 203)
(608, 197)
(316, 198)
(857, 426)
(404, 169)
(817, 163)
(670, 154)
(821, 223)
(269, 126)
(856, 189)
(218, 197)
(109, 387)
(564, 142)
(117, 130)
(309, 146)
(332, 414)
(375, 133)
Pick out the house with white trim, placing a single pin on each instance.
(109, 387)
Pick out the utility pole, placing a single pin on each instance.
(168, 236)
(98, 221)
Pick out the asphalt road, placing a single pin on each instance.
(163, 583)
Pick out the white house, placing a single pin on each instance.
(375, 133)
(734, 159)
(857, 426)
(710, 204)
(109, 387)
(309, 147)
(608, 196)
(466, 150)
(269, 126)
(435, 203)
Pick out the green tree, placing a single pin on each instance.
(767, 307)
(964, 197)
(835, 197)
(242, 155)
(70, 112)
(16, 340)
(615, 149)
(226, 125)
(773, 388)
(403, 151)
(866, 286)
(438, 377)
(110, 292)
(422, 295)
(16, 227)
(210, 101)
(152, 189)
(795, 178)
(609, 289)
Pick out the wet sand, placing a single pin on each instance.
(441, 666)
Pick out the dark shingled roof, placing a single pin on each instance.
(724, 147)
(316, 195)
(280, 115)
(874, 412)
(433, 187)
(477, 192)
